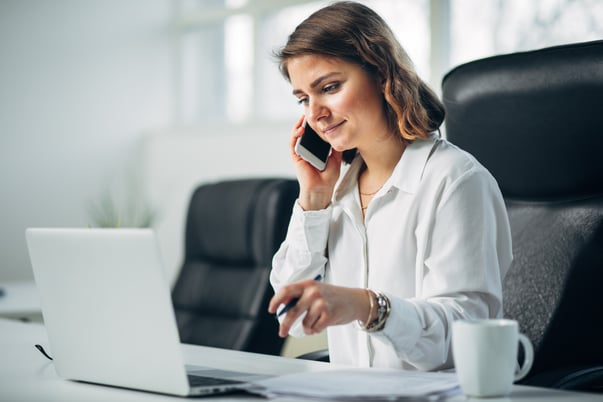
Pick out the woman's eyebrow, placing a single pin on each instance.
(317, 82)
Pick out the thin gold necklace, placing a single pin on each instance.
(373, 193)
(364, 207)
(362, 170)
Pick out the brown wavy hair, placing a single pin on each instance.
(355, 33)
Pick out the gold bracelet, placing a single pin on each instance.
(372, 306)
(364, 325)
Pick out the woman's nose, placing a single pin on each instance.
(316, 111)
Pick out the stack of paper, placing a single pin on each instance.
(360, 384)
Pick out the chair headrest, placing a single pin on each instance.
(534, 119)
(240, 222)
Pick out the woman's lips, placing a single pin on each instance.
(331, 129)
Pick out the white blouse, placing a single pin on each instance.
(435, 239)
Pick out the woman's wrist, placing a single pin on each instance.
(379, 310)
(372, 314)
(314, 201)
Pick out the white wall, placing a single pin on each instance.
(80, 81)
(87, 89)
(177, 162)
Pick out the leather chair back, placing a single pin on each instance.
(233, 229)
(535, 120)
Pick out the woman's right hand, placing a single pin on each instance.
(315, 187)
(324, 304)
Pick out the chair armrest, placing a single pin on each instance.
(583, 378)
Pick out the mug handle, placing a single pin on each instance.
(528, 357)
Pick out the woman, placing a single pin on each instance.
(409, 233)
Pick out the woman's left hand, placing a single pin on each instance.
(315, 186)
(324, 304)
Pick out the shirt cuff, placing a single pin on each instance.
(311, 227)
(401, 328)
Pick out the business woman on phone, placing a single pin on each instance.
(407, 231)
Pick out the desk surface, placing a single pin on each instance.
(26, 375)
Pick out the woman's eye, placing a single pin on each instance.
(326, 89)
(331, 87)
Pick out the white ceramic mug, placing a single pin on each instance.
(485, 356)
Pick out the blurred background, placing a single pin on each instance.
(113, 111)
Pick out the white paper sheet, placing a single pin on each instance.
(361, 384)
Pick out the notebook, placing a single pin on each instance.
(108, 312)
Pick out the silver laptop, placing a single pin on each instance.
(108, 312)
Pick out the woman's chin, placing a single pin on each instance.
(339, 147)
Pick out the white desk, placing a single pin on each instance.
(20, 300)
(25, 375)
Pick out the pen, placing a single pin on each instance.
(294, 301)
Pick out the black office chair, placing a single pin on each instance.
(535, 119)
(221, 295)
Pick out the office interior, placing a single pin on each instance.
(113, 111)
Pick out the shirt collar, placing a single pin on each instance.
(408, 172)
(406, 175)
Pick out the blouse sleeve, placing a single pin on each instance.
(468, 253)
(302, 254)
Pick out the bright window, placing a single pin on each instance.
(226, 64)
(227, 72)
(485, 28)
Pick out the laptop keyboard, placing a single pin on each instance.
(200, 381)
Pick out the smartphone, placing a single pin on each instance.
(312, 148)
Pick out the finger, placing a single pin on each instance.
(290, 318)
(301, 307)
(324, 320)
(278, 299)
(300, 122)
(319, 325)
(273, 303)
(295, 135)
(334, 159)
(317, 316)
(273, 306)
(298, 128)
(310, 320)
(285, 295)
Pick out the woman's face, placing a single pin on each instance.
(341, 101)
